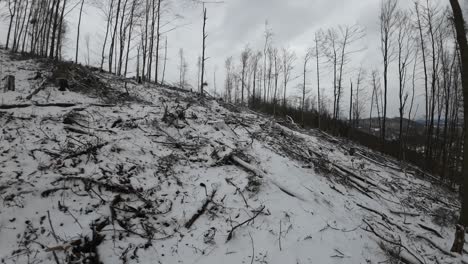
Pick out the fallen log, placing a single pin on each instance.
(41, 86)
(404, 213)
(247, 166)
(355, 175)
(5, 107)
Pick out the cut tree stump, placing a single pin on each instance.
(459, 240)
(62, 84)
(9, 83)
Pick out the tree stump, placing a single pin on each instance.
(62, 84)
(9, 83)
(459, 240)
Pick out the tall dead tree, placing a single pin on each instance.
(12, 10)
(165, 61)
(158, 38)
(130, 31)
(277, 67)
(78, 31)
(245, 55)
(109, 17)
(307, 57)
(388, 22)
(405, 46)
(203, 59)
(268, 35)
(61, 31)
(288, 59)
(54, 28)
(114, 33)
(317, 56)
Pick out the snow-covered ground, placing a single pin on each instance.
(82, 180)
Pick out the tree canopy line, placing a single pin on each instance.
(425, 44)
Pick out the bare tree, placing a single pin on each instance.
(78, 31)
(12, 4)
(165, 61)
(245, 56)
(388, 23)
(317, 58)
(182, 69)
(277, 68)
(229, 82)
(203, 59)
(288, 59)
(358, 101)
(109, 17)
(405, 46)
(268, 36)
(337, 46)
(87, 43)
(307, 57)
(254, 61)
(130, 31)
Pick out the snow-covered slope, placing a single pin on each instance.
(161, 176)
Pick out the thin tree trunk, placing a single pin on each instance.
(158, 36)
(130, 30)
(109, 22)
(12, 17)
(111, 49)
(78, 32)
(54, 29)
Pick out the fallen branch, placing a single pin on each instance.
(355, 175)
(200, 211)
(404, 213)
(54, 235)
(37, 90)
(231, 233)
(107, 186)
(253, 249)
(239, 191)
(431, 230)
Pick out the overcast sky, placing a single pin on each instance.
(236, 23)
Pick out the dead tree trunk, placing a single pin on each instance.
(78, 32)
(202, 79)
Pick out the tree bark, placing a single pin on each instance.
(463, 46)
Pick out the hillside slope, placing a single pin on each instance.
(93, 174)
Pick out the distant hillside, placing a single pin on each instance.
(393, 127)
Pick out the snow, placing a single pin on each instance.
(312, 214)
